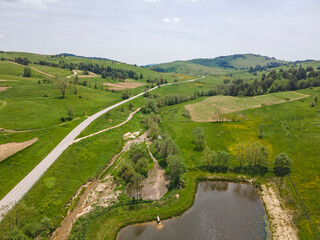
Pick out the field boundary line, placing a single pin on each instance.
(305, 209)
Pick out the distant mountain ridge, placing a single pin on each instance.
(78, 56)
(222, 63)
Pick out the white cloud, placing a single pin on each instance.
(1, 35)
(39, 3)
(186, 0)
(171, 20)
(152, 1)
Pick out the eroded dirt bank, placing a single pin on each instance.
(280, 220)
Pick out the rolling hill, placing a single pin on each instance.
(219, 65)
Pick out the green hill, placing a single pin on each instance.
(69, 61)
(219, 65)
(238, 61)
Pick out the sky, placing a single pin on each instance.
(155, 31)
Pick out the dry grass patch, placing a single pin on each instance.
(123, 85)
(219, 108)
(8, 149)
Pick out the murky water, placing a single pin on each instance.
(221, 210)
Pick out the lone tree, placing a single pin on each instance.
(27, 72)
(70, 112)
(136, 183)
(125, 95)
(207, 156)
(62, 85)
(177, 168)
(199, 138)
(282, 164)
(261, 131)
(240, 155)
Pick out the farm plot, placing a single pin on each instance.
(217, 108)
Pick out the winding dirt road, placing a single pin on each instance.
(17, 193)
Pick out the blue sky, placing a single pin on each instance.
(153, 31)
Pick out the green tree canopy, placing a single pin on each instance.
(199, 137)
(177, 168)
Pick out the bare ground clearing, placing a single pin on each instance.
(123, 85)
(8, 149)
(156, 184)
(4, 88)
(3, 80)
(280, 221)
(90, 74)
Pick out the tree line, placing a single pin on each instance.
(275, 81)
(113, 73)
(251, 157)
(166, 150)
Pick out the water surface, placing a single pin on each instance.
(221, 210)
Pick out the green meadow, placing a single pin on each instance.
(33, 104)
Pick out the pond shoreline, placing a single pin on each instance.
(218, 206)
(171, 205)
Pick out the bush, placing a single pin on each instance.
(62, 119)
(312, 104)
(27, 72)
(221, 169)
(125, 95)
(281, 172)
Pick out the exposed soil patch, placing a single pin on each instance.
(280, 221)
(97, 193)
(123, 85)
(3, 88)
(90, 75)
(3, 80)
(100, 192)
(156, 184)
(8, 149)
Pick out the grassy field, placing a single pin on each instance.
(291, 127)
(35, 106)
(207, 110)
(147, 73)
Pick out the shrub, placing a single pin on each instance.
(62, 119)
(27, 72)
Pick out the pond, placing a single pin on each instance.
(221, 210)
